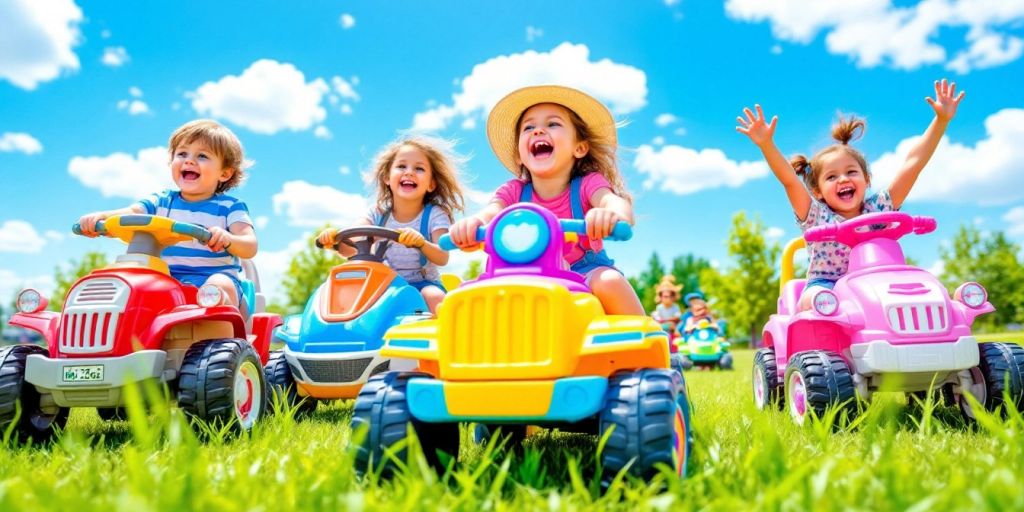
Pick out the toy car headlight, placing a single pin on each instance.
(209, 295)
(826, 303)
(972, 294)
(703, 334)
(521, 237)
(31, 301)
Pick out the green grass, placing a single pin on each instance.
(1005, 337)
(898, 457)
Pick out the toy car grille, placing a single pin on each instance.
(499, 331)
(918, 318)
(91, 315)
(334, 371)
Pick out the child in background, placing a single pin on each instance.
(206, 161)
(698, 310)
(418, 193)
(560, 144)
(667, 313)
(836, 179)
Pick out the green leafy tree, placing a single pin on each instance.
(687, 269)
(473, 270)
(305, 273)
(76, 269)
(992, 260)
(746, 293)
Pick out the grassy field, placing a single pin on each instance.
(898, 457)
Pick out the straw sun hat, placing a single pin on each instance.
(501, 123)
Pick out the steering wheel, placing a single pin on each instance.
(889, 225)
(367, 247)
(161, 230)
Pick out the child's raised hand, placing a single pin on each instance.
(87, 223)
(463, 232)
(220, 239)
(755, 127)
(411, 238)
(600, 222)
(326, 237)
(945, 103)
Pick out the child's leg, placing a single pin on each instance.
(433, 297)
(807, 296)
(227, 287)
(614, 291)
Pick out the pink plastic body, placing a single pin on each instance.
(880, 298)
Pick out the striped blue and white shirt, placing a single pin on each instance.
(192, 257)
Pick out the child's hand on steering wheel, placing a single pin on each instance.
(600, 223)
(326, 237)
(220, 239)
(411, 238)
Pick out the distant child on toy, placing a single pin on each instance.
(418, 193)
(206, 161)
(560, 144)
(836, 179)
(667, 311)
(698, 310)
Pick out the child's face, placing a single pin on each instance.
(411, 176)
(698, 307)
(197, 171)
(667, 298)
(547, 141)
(842, 184)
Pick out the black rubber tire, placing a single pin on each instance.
(725, 362)
(828, 382)
(206, 380)
(33, 423)
(1002, 365)
(381, 409)
(112, 413)
(281, 382)
(679, 362)
(766, 369)
(641, 406)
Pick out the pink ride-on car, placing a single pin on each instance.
(885, 325)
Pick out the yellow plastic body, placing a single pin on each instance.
(159, 228)
(787, 272)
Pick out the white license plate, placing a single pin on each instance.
(91, 373)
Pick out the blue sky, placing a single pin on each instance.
(90, 91)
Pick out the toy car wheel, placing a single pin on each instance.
(650, 413)
(767, 388)
(382, 410)
(112, 413)
(17, 398)
(679, 362)
(816, 380)
(725, 362)
(222, 380)
(281, 384)
(1000, 369)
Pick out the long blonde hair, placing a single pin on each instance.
(445, 165)
(844, 131)
(600, 158)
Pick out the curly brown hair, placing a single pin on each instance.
(844, 131)
(445, 164)
(600, 158)
(220, 140)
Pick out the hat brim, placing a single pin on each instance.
(502, 121)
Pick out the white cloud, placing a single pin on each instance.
(133, 107)
(37, 40)
(658, 141)
(267, 97)
(55, 236)
(272, 266)
(115, 56)
(987, 173)
(21, 142)
(911, 33)
(261, 221)
(124, 175)
(671, 3)
(344, 88)
(776, 49)
(469, 123)
(346, 109)
(937, 268)
(1015, 221)
(135, 92)
(774, 233)
(684, 171)
(665, 119)
(12, 282)
(20, 236)
(105, 34)
(679, 131)
(621, 87)
(345, 170)
(321, 132)
(347, 21)
(533, 33)
(309, 205)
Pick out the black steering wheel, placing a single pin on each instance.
(370, 242)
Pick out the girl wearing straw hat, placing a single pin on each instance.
(560, 145)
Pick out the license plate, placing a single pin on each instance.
(91, 373)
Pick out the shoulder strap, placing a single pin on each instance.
(384, 218)
(575, 201)
(526, 195)
(425, 229)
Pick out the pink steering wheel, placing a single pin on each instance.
(891, 225)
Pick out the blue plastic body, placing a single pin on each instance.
(573, 399)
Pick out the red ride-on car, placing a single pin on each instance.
(132, 322)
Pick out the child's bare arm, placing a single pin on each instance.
(761, 133)
(608, 209)
(239, 240)
(944, 105)
(433, 252)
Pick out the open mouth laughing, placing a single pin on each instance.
(189, 175)
(407, 185)
(846, 192)
(541, 149)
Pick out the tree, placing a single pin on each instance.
(473, 270)
(687, 270)
(992, 260)
(306, 271)
(645, 283)
(747, 293)
(75, 271)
